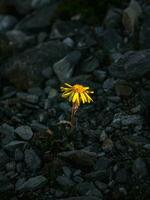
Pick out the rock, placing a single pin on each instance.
(25, 70)
(24, 132)
(146, 146)
(123, 89)
(19, 155)
(100, 75)
(139, 168)
(101, 186)
(130, 18)
(65, 67)
(64, 182)
(99, 175)
(7, 22)
(30, 98)
(102, 163)
(5, 47)
(88, 189)
(79, 158)
(7, 133)
(122, 176)
(90, 64)
(11, 166)
(69, 42)
(19, 39)
(3, 159)
(36, 4)
(32, 184)
(114, 44)
(63, 29)
(108, 84)
(38, 20)
(130, 120)
(132, 65)
(32, 160)
(82, 198)
(14, 144)
(113, 18)
(5, 184)
(107, 145)
(145, 31)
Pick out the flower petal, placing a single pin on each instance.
(71, 96)
(83, 98)
(89, 99)
(65, 95)
(75, 97)
(68, 85)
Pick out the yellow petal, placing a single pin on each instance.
(75, 97)
(68, 85)
(71, 96)
(66, 94)
(89, 99)
(78, 100)
(83, 98)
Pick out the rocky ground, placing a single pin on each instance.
(109, 157)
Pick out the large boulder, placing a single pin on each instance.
(132, 65)
(25, 69)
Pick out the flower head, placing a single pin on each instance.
(76, 93)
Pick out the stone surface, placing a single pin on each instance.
(132, 65)
(3, 159)
(7, 133)
(32, 160)
(24, 70)
(24, 132)
(65, 67)
(32, 184)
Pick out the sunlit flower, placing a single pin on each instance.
(77, 94)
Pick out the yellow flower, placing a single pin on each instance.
(76, 93)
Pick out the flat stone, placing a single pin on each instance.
(64, 181)
(30, 98)
(32, 184)
(24, 132)
(3, 159)
(82, 198)
(139, 168)
(132, 65)
(14, 144)
(32, 160)
(64, 68)
(7, 132)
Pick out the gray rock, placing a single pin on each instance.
(65, 67)
(79, 158)
(24, 132)
(123, 89)
(146, 146)
(3, 159)
(36, 4)
(132, 65)
(32, 184)
(63, 29)
(38, 20)
(19, 155)
(100, 75)
(139, 168)
(19, 39)
(30, 98)
(100, 175)
(14, 144)
(102, 163)
(11, 166)
(87, 188)
(7, 22)
(69, 42)
(25, 69)
(130, 120)
(5, 184)
(90, 64)
(122, 176)
(32, 160)
(82, 198)
(64, 182)
(108, 84)
(7, 133)
(113, 18)
(5, 47)
(145, 31)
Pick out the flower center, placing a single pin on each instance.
(78, 88)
